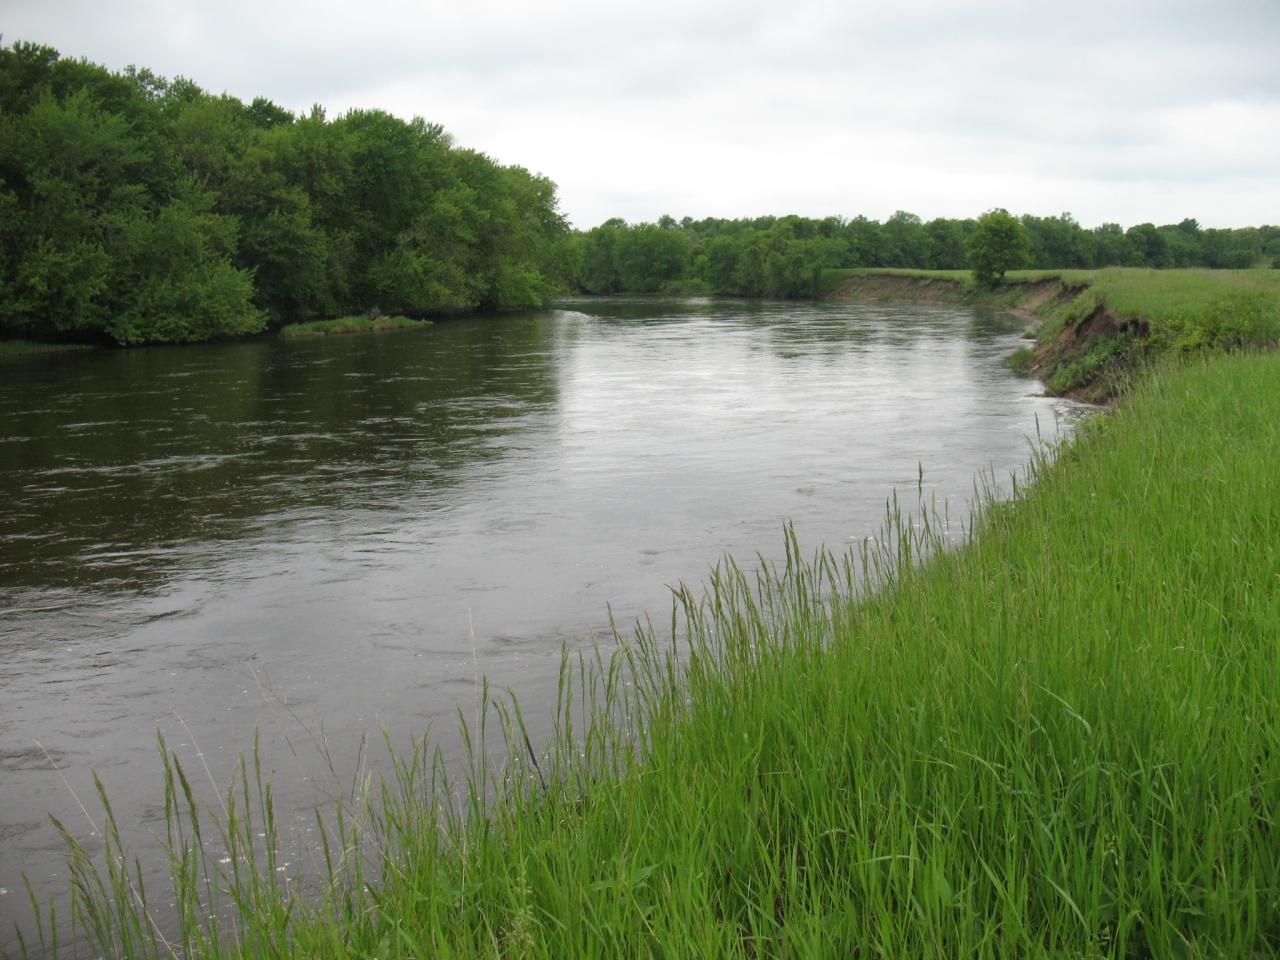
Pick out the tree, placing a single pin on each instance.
(1149, 244)
(1057, 242)
(947, 242)
(906, 241)
(648, 257)
(999, 243)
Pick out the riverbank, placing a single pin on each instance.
(358, 323)
(1056, 740)
(1093, 328)
(27, 348)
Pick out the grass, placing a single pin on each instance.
(26, 348)
(1149, 314)
(1059, 740)
(359, 323)
(1021, 360)
(1190, 309)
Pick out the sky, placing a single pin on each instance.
(1119, 111)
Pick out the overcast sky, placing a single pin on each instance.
(1114, 111)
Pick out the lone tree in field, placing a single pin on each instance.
(999, 243)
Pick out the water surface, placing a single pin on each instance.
(308, 537)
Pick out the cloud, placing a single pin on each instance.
(1124, 111)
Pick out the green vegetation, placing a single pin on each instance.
(791, 256)
(998, 244)
(23, 348)
(1111, 320)
(1021, 360)
(354, 324)
(135, 209)
(1057, 740)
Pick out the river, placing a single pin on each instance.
(312, 537)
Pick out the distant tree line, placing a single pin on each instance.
(785, 256)
(139, 209)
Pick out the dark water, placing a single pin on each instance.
(310, 537)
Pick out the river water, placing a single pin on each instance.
(308, 538)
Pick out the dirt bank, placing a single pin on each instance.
(900, 287)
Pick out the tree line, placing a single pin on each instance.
(139, 209)
(785, 256)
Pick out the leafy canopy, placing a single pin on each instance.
(999, 243)
(139, 209)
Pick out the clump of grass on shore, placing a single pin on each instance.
(1058, 740)
(26, 348)
(359, 323)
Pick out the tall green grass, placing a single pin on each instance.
(26, 348)
(1061, 739)
(1149, 314)
(1195, 309)
(358, 323)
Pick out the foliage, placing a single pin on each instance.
(997, 245)
(22, 348)
(142, 210)
(1020, 360)
(787, 256)
(1102, 361)
(364, 323)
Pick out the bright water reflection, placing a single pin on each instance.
(310, 536)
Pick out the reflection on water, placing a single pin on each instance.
(308, 536)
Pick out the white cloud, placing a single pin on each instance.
(1124, 111)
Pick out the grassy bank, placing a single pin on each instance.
(1096, 326)
(27, 348)
(1060, 740)
(359, 323)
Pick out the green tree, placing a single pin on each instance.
(723, 253)
(599, 274)
(906, 242)
(1058, 242)
(999, 243)
(866, 243)
(1111, 246)
(947, 241)
(173, 280)
(648, 257)
(1150, 247)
